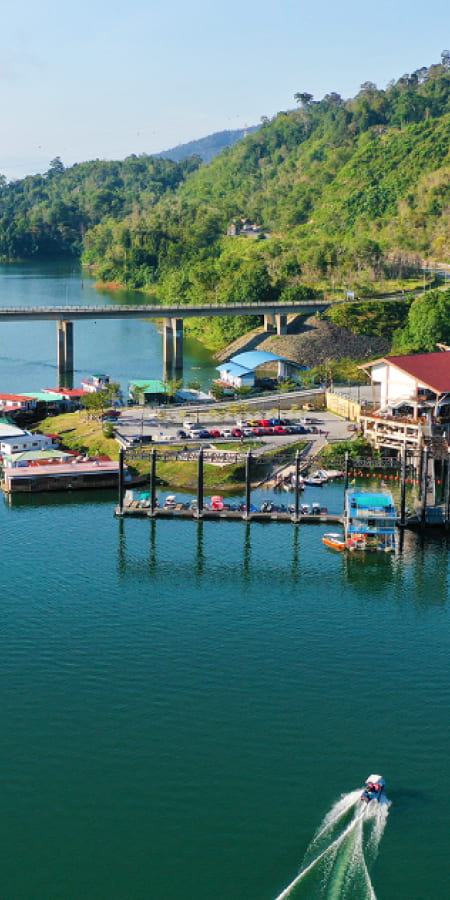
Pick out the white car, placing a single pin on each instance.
(227, 433)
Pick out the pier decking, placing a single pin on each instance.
(227, 515)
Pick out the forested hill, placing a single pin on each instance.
(48, 215)
(344, 192)
(208, 147)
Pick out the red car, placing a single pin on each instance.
(215, 434)
(278, 429)
(237, 432)
(264, 423)
(267, 430)
(258, 431)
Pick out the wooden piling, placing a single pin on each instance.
(200, 483)
(424, 486)
(120, 480)
(403, 489)
(447, 494)
(297, 486)
(153, 482)
(248, 465)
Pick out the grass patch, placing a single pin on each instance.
(79, 433)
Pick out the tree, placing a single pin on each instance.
(428, 323)
(304, 99)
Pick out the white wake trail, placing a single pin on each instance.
(343, 850)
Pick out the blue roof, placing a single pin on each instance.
(233, 369)
(371, 500)
(251, 359)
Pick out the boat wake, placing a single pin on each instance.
(338, 859)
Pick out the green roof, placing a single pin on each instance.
(43, 397)
(30, 455)
(149, 385)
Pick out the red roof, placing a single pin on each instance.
(66, 392)
(432, 370)
(16, 398)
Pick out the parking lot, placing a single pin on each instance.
(177, 425)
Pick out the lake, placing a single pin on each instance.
(183, 703)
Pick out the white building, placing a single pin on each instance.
(24, 441)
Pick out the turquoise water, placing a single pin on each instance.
(124, 349)
(183, 703)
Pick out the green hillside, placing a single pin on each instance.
(353, 192)
(346, 195)
(48, 215)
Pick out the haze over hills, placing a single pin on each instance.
(207, 147)
(344, 193)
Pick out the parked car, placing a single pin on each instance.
(267, 430)
(181, 434)
(215, 433)
(237, 432)
(264, 423)
(203, 434)
(253, 423)
(278, 429)
(227, 433)
(258, 431)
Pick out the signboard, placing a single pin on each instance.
(350, 295)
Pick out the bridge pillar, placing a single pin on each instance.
(269, 322)
(64, 337)
(281, 322)
(177, 329)
(168, 347)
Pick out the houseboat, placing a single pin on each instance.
(369, 521)
(60, 475)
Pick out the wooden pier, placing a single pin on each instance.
(226, 515)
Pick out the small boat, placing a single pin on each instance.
(315, 479)
(334, 541)
(305, 509)
(170, 502)
(375, 785)
(217, 502)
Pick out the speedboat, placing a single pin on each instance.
(316, 479)
(334, 541)
(170, 502)
(375, 785)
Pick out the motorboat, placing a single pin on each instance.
(170, 502)
(315, 479)
(305, 509)
(334, 540)
(375, 785)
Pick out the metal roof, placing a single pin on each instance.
(372, 500)
(431, 370)
(251, 359)
(234, 369)
(149, 385)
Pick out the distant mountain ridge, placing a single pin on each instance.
(208, 147)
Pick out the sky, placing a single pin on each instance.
(103, 80)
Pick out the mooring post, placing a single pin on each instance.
(153, 482)
(420, 473)
(297, 486)
(346, 471)
(200, 483)
(120, 481)
(424, 486)
(447, 493)
(248, 466)
(403, 488)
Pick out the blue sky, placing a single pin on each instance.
(100, 79)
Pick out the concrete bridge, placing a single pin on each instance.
(275, 319)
